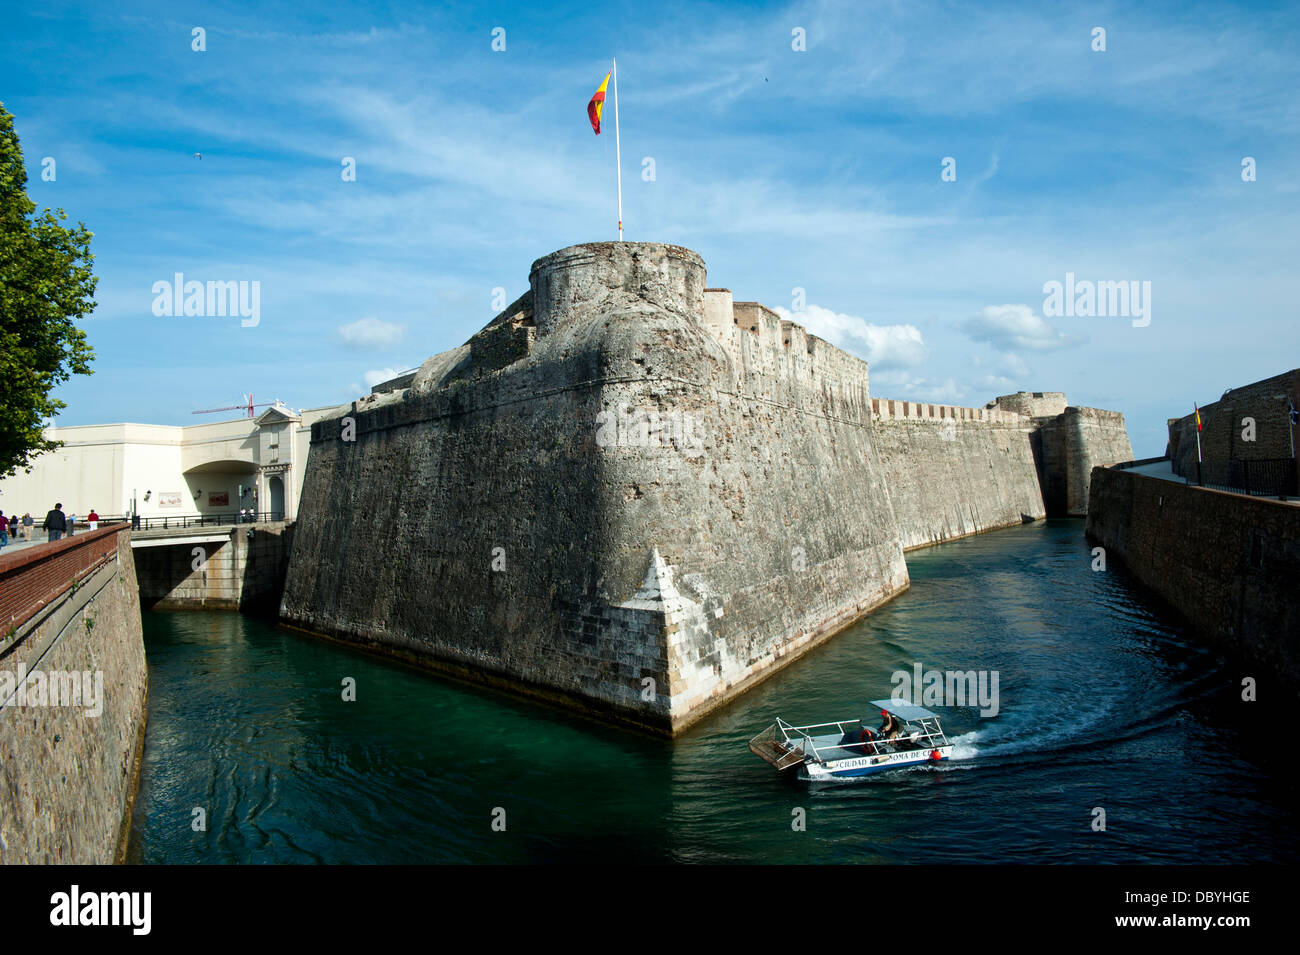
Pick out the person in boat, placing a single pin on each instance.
(890, 726)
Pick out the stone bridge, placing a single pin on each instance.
(213, 566)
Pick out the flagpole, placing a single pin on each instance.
(618, 153)
(1290, 424)
(1198, 433)
(1199, 478)
(1290, 430)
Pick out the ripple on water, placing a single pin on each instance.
(1103, 702)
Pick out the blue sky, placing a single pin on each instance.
(817, 169)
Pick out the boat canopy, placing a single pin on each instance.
(904, 710)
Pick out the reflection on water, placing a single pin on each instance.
(1103, 703)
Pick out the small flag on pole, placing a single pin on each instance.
(597, 105)
(1295, 415)
(1198, 416)
(594, 111)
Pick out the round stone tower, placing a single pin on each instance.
(596, 274)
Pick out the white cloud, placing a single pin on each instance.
(370, 332)
(1009, 363)
(908, 387)
(374, 377)
(998, 383)
(1010, 327)
(883, 346)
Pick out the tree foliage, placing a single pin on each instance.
(45, 287)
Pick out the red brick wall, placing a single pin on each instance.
(34, 576)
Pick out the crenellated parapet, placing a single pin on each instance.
(634, 495)
(889, 409)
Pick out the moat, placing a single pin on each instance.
(1104, 703)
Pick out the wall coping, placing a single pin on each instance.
(32, 558)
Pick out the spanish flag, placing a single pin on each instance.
(597, 106)
(1198, 416)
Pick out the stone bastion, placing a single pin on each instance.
(632, 496)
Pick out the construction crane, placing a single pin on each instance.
(249, 407)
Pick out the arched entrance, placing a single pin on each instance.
(276, 487)
(215, 489)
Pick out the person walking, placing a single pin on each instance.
(93, 519)
(72, 521)
(4, 530)
(27, 525)
(56, 522)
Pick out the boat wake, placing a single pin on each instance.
(963, 746)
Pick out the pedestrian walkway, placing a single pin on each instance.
(14, 546)
(1164, 471)
(1159, 469)
(39, 536)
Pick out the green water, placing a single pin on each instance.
(1104, 703)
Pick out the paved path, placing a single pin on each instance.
(1164, 471)
(39, 537)
(1161, 469)
(14, 546)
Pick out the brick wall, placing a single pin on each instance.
(33, 576)
(68, 774)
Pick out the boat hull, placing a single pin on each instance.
(870, 765)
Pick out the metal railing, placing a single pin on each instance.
(807, 742)
(1269, 477)
(206, 520)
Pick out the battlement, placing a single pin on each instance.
(762, 345)
(888, 409)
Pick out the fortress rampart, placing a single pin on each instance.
(73, 684)
(952, 472)
(1227, 563)
(634, 496)
(887, 409)
(1069, 446)
(1226, 433)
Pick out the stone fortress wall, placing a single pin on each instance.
(1070, 446)
(952, 472)
(633, 496)
(1227, 563)
(1266, 401)
(72, 632)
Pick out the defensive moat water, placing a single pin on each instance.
(1103, 703)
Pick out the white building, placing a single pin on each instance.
(163, 471)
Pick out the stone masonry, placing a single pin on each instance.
(633, 496)
(1227, 563)
(1225, 425)
(68, 770)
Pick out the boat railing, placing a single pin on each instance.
(806, 741)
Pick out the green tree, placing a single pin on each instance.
(45, 286)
